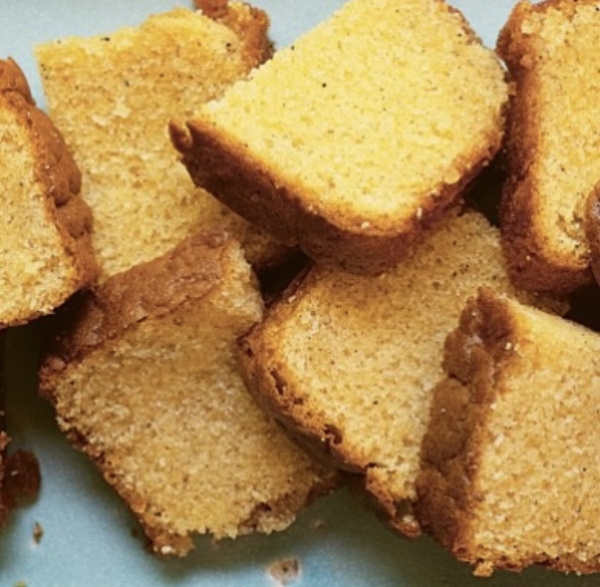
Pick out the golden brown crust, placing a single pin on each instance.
(217, 165)
(214, 9)
(592, 230)
(145, 291)
(228, 49)
(524, 244)
(56, 170)
(451, 447)
(250, 23)
(318, 437)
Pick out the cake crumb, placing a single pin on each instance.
(285, 571)
(38, 532)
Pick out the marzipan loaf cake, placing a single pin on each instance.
(45, 249)
(144, 380)
(113, 96)
(552, 141)
(359, 136)
(348, 361)
(510, 461)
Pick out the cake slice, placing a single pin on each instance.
(552, 140)
(45, 251)
(357, 138)
(510, 459)
(113, 96)
(348, 361)
(144, 379)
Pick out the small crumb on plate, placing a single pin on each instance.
(38, 532)
(285, 571)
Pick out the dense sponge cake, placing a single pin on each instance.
(144, 379)
(356, 138)
(510, 461)
(552, 140)
(45, 245)
(113, 95)
(349, 361)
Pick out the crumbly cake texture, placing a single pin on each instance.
(144, 379)
(348, 361)
(20, 477)
(251, 24)
(113, 97)
(212, 8)
(19, 470)
(510, 466)
(46, 252)
(552, 162)
(358, 137)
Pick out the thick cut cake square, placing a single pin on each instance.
(359, 136)
(113, 96)
(144, 379)
(550, 49)
(510, 467)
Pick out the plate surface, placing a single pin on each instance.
(89, 537)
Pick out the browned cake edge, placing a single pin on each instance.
(592, 230)
(56, 170)
(249, 22)
(530, 269)
(251, 25)
(148, 290)
(267, 384)
(227, 171)
(451, 447)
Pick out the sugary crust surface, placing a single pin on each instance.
(535, 261)
(59, 175)
(98, 317)
(263, 381)
(55, 168)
